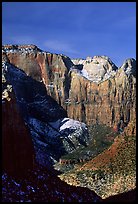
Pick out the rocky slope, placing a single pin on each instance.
(92, 90)
(111, 172)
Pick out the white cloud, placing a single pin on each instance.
(22, 40)
(60, 46)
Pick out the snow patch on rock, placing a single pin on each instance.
(96, 69)
(57, 138)
(72, 124)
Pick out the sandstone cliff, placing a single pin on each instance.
(92, 90)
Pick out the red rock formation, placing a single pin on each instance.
(105, 102)
(17, 147)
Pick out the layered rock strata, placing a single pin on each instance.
(92, 90)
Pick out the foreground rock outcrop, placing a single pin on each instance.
(41, 185)
(92, 90)
(18, 154)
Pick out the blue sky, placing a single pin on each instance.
(76, 29)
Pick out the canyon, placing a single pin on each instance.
(51, 103)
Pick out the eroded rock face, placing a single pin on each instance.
(50, 68)
(106, 102)
(92, 90)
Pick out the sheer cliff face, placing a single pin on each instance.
(92, 90)
(105, 102)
